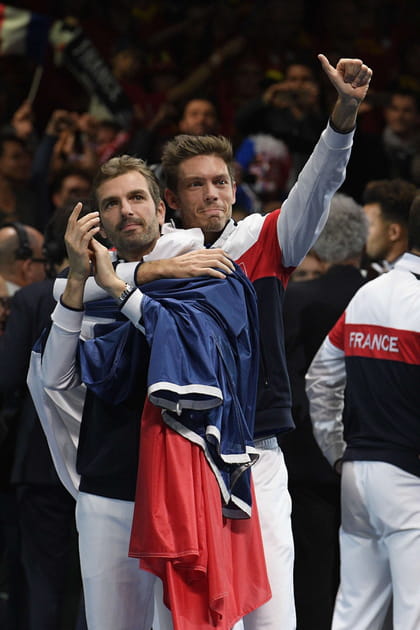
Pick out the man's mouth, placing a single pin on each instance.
(211, 209)
(129, 226)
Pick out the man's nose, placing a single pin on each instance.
(126, 208)
(211, 191)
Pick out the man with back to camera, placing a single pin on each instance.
(364, 399)
(200, 186)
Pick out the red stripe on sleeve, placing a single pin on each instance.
(264, 258)
(336, 334)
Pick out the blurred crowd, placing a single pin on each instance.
(199, 68)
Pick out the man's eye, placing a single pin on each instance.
(222, 181)
(109, 204)
(194, 184)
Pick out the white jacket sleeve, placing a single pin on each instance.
(59, 368)
(305, 211)
(325, 384)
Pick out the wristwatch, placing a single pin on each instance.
(126, 293)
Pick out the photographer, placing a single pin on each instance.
(75, 140)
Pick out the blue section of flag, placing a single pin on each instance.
(24, 33)
(37, 36)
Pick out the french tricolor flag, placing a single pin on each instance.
(23, 32)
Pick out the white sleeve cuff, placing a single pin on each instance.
(67, 318)
(132, 308)
(337, 140)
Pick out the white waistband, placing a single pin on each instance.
(268, 443)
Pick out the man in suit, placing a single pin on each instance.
(44, 508)
(311, 308)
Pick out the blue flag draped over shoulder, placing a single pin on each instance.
(203, 336)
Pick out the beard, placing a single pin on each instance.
(135, 244)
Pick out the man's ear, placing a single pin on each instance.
(24, 271)
(171, 199)
(161, 212)
(395, 232)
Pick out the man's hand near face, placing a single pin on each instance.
(78, 237)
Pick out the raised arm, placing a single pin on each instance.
(305, 211)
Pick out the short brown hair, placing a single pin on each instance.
(123, 164)
(185, 146)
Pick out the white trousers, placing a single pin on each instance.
(274, 508)
(118, 594)
(380, 548)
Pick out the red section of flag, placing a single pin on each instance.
(180, 534)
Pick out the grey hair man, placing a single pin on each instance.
(344, 236)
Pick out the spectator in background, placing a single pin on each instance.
(25, 179)
(310, 309)
(108, 140)
(16, 202)
(264, 165)
(310, 268)
(73, 145)
(393, 153)
(199, 118)
(290, 110)
(409, 76)
(20, 265)
(45, 510)
(70, 183)
(21, 256)
(401, 136)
